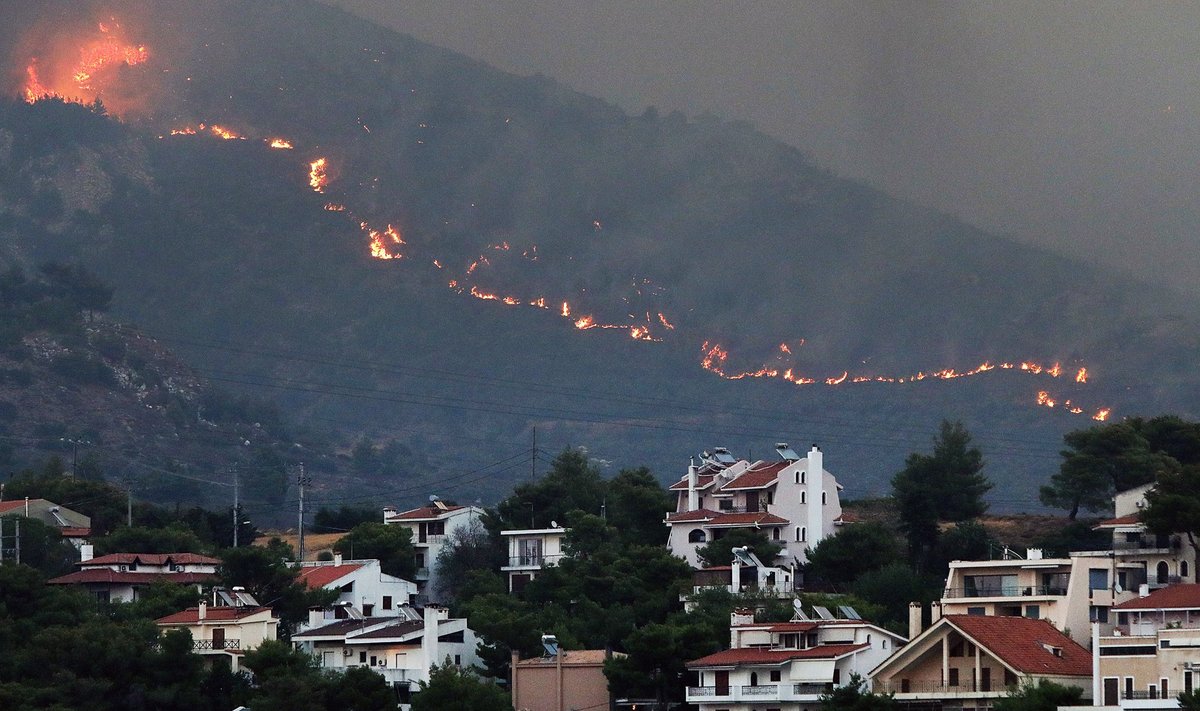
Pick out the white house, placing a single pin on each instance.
(365, 591)
(431, 527)
(400, 648)
(75, 527)
(788, 665)
(794, 501)
(530, 550)
(120, 577)
(1163, 559)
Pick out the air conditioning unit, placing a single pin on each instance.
(346, 652)
(383, 662)
(1191, 665)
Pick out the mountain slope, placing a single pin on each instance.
(736, 241)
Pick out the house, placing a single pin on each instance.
(560, 679)
(968, 661)
(401, 648)
(120, 577)
(1070, 592)
(431, 527)
(1153, 653)
(224, 632)
(746, 574)
(530, 550)
(787, 665)
(794, 501)
(1163, 559)
(74, 526)
(365, 591)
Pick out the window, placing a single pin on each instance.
(775, 533)
(696, 536)
(803, 476)
(368, 609)
(1033, 612)
(837, 676)
(775, 676)
(953, 681)
(387, 602)
(976, 611)
(824, 497)
(1183, 569)
(1099, 614)
(1162, 572)
(804, 533)
(797, 477)
(362, 657)
(885, 642)
(1164, 689)
(458, 660)
(529, 551)
(419, 559)
(1097, 579)
(803, 497)
(799, 533)
(437, 528)
(753, 678)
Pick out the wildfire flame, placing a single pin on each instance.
(82, 81)
(1081, 376)
(281, 143)
(318, 178)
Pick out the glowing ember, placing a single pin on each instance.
(335, 207)
(318, 178)
(666, 324)
(783, 348)
(1081, 376)
(1102, 415)
(566, 310)
(222, 132)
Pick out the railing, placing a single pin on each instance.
(532, 561)
(811, 688)
(760, 508)
(705, 691)
(1019, 591)
(898, 686)
(1146, 544)
(430, 538)
(203, 644)
(761, 690)
(422, 573)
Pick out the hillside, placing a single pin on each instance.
(719, 250)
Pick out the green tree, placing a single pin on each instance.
(1105, 459)
(286, 678)
(853, 696)
(947, 485)
(42, 546)
(360, 689)
(892, 588)
(637, 504)
(1173, 505)
(468, 550)
(720, 551)
(392, 545)
(264, 573)
(1044, 696)
(174, 538)
(572, 484)
(1189, 700)
(451, 688)
(856, 549)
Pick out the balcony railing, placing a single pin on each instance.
(533, 561)
(1018, 591)
(811, 688)
(898, 686)
(761, 507)
(761, 690)
(694, 691)
(207, 644)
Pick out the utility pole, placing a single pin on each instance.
(129, 504)
(301, 482)
(236, 511)
(533, 459)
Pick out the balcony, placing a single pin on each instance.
(531, 562)
(209, 645)
(761, 690)
(932, 688)
(1018, 591)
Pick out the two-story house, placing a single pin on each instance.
(529, 551)
(72, 525)
(224, 632)
(431, 526)
(966, 662)
(1153, 652)
(120, 577)
(794, 501)
(364, 590)
(401, 649)
(787, 665)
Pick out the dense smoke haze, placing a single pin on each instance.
(1068, 125)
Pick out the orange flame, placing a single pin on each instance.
(281, 143)
(566, 310)
(1081, 376)
(96, 58)
(1102, 415)
(318, 178)
(335, 207)
(663, 320)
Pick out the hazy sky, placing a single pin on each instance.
(1073, 124)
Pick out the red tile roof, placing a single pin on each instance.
(316, 577)
(191, 616)
(702, 482)
(75, 532)
(108, 575)
(424, 513)
(153, 559)
(848, 517)
(1184, 596)
(761, 518)
(759, 655)
(6, 506)
(697, 515)
(1022, 643)
(1130, 520)
(760, 476)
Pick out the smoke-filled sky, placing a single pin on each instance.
(1074, 125)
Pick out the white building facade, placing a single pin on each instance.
(431, 527)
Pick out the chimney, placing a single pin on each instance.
(388, 512)
(86, 552)
(935, 612)
(914, 620)
(315, 616)
(337, 558)
(1144, 590)
(202, 611)
(736, 576)
(815, 469)
(1034, 554)
(693, 483)
(429, 634)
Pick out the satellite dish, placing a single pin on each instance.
(554, 524)
(1118, 589)
(433, 497)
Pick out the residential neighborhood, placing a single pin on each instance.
(717, 593)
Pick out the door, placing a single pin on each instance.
(1111, 686)
(985, 682)
(218, 638)
(722, 683)
(752, 501)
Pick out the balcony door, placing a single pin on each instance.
(722, 683)
(218, 638)
(529, 551)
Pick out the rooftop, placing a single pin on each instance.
(1025, 645)
(759, 655)
(316, 577)
(191, 615)
(1185, 596)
